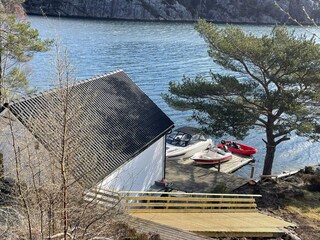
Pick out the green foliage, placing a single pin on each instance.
(277, 87)
(220, 188)
(204, 96)
(313, 182)
(18, 43)
(16, 84)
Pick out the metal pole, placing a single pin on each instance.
(252, 168)
(165, 158)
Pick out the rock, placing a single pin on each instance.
(309, 170)
(291, 193)
(226, 11)
(290, 234)
(317, 171)
(295, 179)
(314, 183)
(314, 170)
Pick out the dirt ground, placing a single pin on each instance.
(294, 198)
(305, 229)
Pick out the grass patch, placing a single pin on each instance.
(311, 216)
(307, 207)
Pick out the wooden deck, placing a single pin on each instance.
(237, 161)
(234, 164)
(249, 224)
(210, 215)
(166, 232)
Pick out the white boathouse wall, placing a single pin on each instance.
(139, 173)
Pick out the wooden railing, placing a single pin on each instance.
(107, 197)
(187, 202)
(173, 202)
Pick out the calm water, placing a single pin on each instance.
(152, 54)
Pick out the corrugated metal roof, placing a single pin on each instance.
(108, 121)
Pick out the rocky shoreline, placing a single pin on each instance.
(219, 11)
(295, 198)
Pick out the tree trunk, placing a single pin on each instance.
(270, 146)
(268, 160)
(1, 166)
(1, 83)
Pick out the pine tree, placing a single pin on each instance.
(18, 43)
(275, 86)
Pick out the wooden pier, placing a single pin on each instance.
(234, 164)
(188, 176)
(237, 162)
(229, 225)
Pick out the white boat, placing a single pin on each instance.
(185, 142)
(212, 156)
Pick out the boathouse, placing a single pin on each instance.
(113, 132)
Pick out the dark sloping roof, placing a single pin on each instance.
(108, 120)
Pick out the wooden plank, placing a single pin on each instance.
(189, 199)
(100, 199)
(248, 234)
(189, 205)
(287, 173)
(104, 195)
(165, 232)
(204, 202)
(247, 224)
(128, 193)
(177, 210)
(234, 164)
(103, 190)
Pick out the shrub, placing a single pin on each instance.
(314, 183)
(220, 188)
(122, 231)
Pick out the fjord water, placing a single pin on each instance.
(152, 54)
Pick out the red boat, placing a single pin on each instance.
(238, 148)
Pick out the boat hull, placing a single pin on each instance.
(212, 161)
(175, 153)
(212, 156)
(242, 150)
